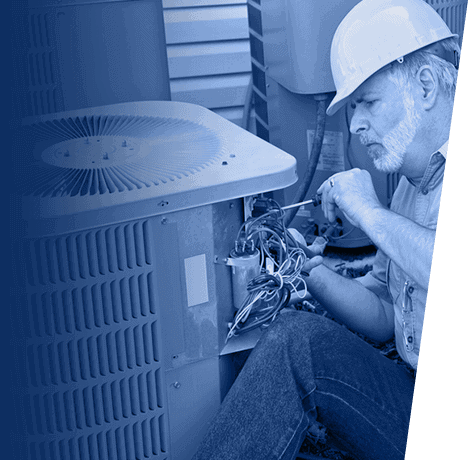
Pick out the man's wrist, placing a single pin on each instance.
(369, 217)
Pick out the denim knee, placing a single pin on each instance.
(298, 326)
(285, 329)
(286, 346)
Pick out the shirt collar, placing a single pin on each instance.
(443, 150)
(434, 170)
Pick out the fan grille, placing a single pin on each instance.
(93, 155)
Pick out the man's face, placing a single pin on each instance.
(386, 120)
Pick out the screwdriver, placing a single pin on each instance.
(316, 200)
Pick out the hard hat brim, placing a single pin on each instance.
(342, 96)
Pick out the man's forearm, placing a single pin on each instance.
(405, 242)
(351, 303)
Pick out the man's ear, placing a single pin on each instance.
(429, 86)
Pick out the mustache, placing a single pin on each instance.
(365, 139)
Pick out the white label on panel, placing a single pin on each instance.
(332, 154)
(196, 280)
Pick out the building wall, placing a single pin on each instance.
(209, 54)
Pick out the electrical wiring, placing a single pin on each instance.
(330, 235)
(268, 243)
(344, 235)
(270, 291)
(263, 317)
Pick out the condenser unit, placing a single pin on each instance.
(74, 54)
(127, 211)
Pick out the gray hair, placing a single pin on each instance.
(445, 71)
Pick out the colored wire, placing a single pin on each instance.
(270, 291)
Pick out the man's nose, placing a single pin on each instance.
(359, 123)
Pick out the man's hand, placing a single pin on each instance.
(312, 263)
(352, 192)
(312, 252)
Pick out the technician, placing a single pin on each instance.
(394, 62)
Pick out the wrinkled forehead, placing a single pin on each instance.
(378, 85)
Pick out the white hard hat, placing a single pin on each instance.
(375, 33)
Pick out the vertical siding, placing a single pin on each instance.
(209, 53)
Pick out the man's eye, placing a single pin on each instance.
(370, 103)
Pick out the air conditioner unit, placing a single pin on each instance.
(126, 209)
(74, 54)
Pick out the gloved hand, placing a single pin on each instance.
(352, 192)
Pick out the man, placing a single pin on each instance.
(394, 62)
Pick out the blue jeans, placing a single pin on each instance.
(306, 368)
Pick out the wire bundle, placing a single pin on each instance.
(281, 262)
